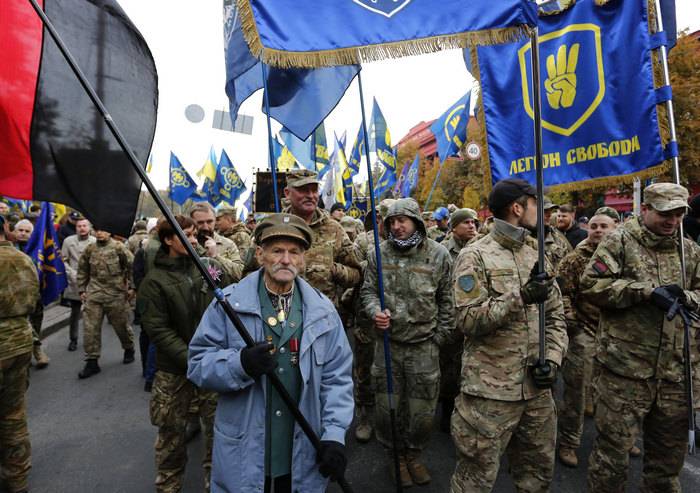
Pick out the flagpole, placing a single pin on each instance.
(273, 168)
(663, 52)
(380, 290)
(537, 106)
(167, 213)
(432, 189)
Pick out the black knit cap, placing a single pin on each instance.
(505, 192)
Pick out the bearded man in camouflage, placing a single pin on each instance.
(640, 386)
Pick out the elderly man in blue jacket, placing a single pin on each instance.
(257, 444)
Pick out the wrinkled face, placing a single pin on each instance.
(82, 228)
(303, 199)
(564, 220)
(224, 223)
(23, 231)
(204, 220)
(102, 235)
(662, 223)
(599, 227)
(282, 259)
(338, 214)
(177, 249)
(401, 227)
(466, 230)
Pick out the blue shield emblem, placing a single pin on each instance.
(572, 77)
(386, 8)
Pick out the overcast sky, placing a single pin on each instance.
(186, 39)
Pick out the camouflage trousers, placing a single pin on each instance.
(484, 429)
(36, 318)
(171, 399)
(450, 371)
(576, 373)
(15, 449)
(117, 313)
(416, 381)
(362, 367)
(624, 409)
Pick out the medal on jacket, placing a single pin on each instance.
(269, 341)
(294, 351)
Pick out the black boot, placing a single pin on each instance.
(128, 356)
(91, 368)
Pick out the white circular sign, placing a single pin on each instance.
(473, 151)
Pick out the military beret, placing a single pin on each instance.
(226, 211)
(666, 196)
(505, 192)
(300, 177)
(608, 211)
(462, 214)
(281, 225)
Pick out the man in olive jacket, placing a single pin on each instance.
(172, 298)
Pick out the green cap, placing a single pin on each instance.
(608, 211)
(226, 211)
(462, 214)
(666, 196)
(300, 177)
(283, 225)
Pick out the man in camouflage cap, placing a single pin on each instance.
(640, 386)
(331, 261)
(506, 403)
(136, 239)
(419, 316)
(228, 226)
(19, 294)
(556, 246)
(608, 211)
(581, 323)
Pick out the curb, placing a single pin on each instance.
(54, 327)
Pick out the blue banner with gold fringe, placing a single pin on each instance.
(313, 33)
(599, 102)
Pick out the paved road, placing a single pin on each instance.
(95, 436)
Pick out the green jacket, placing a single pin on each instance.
(171, 300)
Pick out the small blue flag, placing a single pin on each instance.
(302, 150)
(380, 142)
(358, 150)
(182, 186)
(410, 181)
(450, 129)
(228, 185)
(247, 207)
(322, 159)
(42, 247)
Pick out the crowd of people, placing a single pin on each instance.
(455, 295)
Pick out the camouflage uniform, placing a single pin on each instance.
(227, 255)
(556, 246)
(640, 387)
(419, 296)
(19, 292)
(581, 323)
(436, 234)
(500, 409)
(104, 274)
(135, 240)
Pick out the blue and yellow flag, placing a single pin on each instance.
(322, 159)
(149, 164)
(42, 247)
(208, 170)
(355, 31)
(284, 159)
(380, 142)
(247, 208)
(599, 115)
(345, 173)
(182, 186)
(228, 186)
(450, 129)
(358, 150)
(410, 181)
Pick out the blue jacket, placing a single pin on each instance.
(238, 458)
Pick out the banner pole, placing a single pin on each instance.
(432, 189)
(167, 213)
(273, 167)
(380, 291)
(663, 55)
(537, 107)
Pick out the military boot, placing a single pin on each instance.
(419, 473)
(404, 475)
(91, 368)
(567, 456)
(128, 356)
(363, 431)
(42, 361)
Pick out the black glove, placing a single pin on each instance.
(331, 459)
(665, 296)
(258, 360)
(536, 289)
(545, 375)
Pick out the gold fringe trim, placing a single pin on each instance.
(362, 54)
(565, 5)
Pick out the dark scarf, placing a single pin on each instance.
(408, 243)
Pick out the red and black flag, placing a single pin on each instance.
(54, 144)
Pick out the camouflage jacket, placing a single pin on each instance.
(19, 293)
(454, 246)
(134, 241)
(556, 246)
(417, 292)
(501, 332)
(240, 235)
(636, 340)
(71, 251)
(227, 255)
(104, 271)
(436, 234)
(580, 313)
(332, 261)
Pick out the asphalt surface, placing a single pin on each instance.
(94, 435)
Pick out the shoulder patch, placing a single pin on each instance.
(467, 283)
(600, 267)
